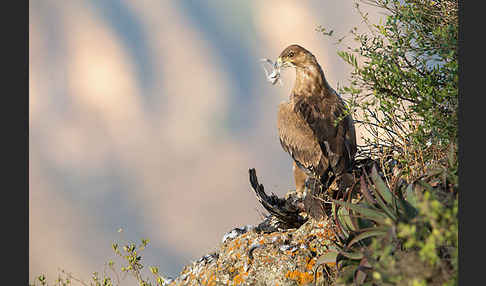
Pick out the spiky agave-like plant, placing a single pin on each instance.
(398, 231)
(376, 214)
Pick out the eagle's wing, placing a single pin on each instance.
(298, 139)
(350, 136)
(335, 137)
(348, 125)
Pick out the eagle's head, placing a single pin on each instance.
(294, 56)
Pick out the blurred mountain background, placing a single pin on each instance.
(146, 115)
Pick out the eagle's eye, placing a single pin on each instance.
(290, 54)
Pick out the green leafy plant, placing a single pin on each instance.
(399, 227)
(398, 233)
(404, 84)
(377, 214)
(130, 255)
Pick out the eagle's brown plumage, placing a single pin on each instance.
(311, 125)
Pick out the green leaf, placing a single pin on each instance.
(355, 255)
(407, 204)
(328, 257)
(370, 233)
(383, 191)
(365, 212)
(381, 187)
(411, 197)
(344, 216)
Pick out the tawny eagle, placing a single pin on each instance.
(313, 125)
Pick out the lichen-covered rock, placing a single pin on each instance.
(249, 257)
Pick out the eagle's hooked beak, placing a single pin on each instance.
(280, 64)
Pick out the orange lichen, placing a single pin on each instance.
(302, 278)
(326, 233)
(212, 280)
(236, 244)
(310, 264)
(240, 278)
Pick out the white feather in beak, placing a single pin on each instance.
(274, 76)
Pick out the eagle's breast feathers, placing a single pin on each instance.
(315, 133)
(298, 139)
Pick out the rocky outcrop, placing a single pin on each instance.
(247, 256)
(287, 248)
